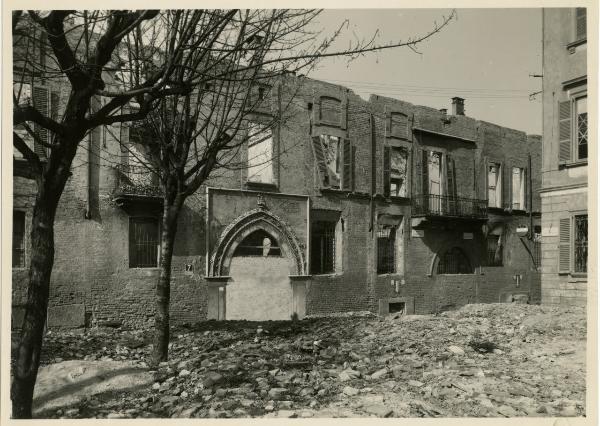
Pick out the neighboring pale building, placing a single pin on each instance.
(565, 157)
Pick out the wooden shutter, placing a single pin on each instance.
(347, 170)
(418, 158)
(580, 23)
(564, 246)
(386, 170)
(564, 131)
(425, 172)
(321, 161)
(41, 103)
(450, 176)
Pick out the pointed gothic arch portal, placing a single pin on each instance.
(254, 261)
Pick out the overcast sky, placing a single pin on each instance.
(485, 56)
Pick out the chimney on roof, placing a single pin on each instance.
(458, 106)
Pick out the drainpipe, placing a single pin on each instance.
(530, 234)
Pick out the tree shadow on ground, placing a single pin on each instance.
(80, 385)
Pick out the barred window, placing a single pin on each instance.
(322, 254)
(454, 261)
(143, 242)
(494, 250)
(581, 243)
(386, 249)
(18, 239)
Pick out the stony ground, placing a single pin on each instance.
(497, 360)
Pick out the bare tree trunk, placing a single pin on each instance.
(171, 211)
(42, 260)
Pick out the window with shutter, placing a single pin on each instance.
(564, 131)
(580, 23)
(41, 102)
(580, 243)
(451, 207)
(564, 246)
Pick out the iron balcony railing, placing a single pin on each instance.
(135, 181)
(448, 206)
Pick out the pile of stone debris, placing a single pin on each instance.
(498, 360)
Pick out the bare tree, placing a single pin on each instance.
(190, 136)
(193, 70)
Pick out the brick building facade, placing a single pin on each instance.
(347, 205)
(565, 157)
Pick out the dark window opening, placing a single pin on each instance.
(494, 250)
(582, 132)
(258, 243)
(322, 253)
(143, 242)
(386, 250)
(454, 261)
(18, 242)
(399, 307)
(581, 243)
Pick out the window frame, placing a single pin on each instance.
(335, 249)
(522, 189)
(575, 127)
(571, 245)
(573, 272)
(499, 184)
(158, 239)
(391, 245)
(250, 143)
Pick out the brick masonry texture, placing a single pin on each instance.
(92, 268)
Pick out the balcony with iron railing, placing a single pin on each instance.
(443, 206)
(136, 184)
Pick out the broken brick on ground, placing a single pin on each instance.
(498, 360)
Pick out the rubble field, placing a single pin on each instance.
(494, 360)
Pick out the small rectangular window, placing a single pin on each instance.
(580, 243)
(386, 249)
(260, 154)
(18, 239)
(323, 245)
(143, 242)
(518, 188)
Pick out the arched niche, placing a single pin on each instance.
(253, 223)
